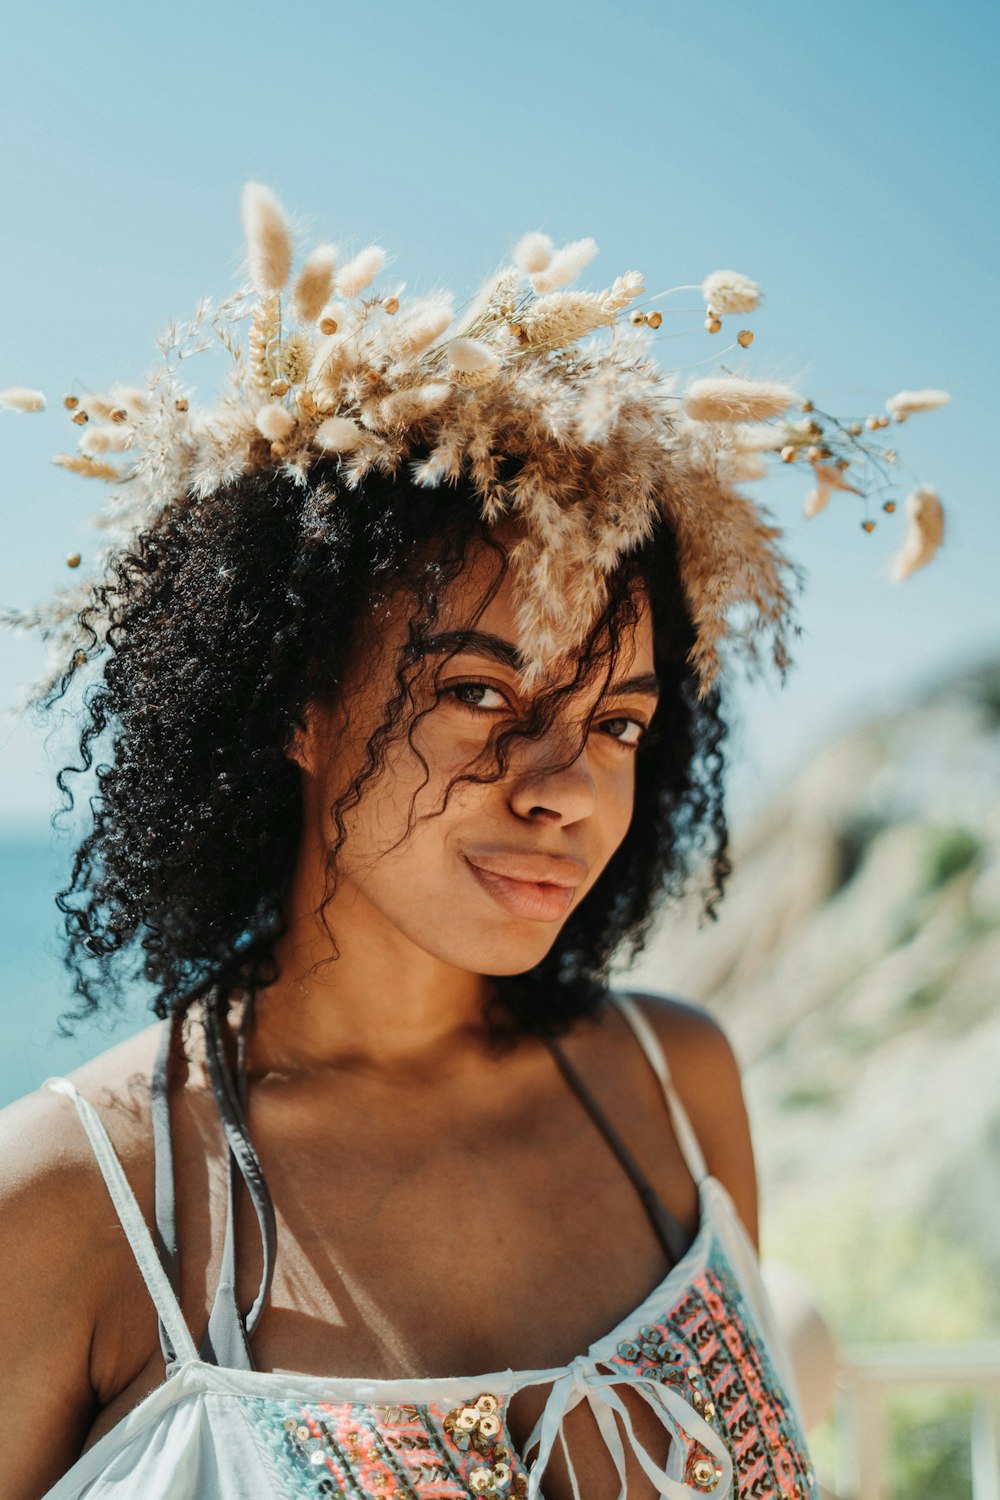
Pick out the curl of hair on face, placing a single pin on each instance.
(223, 621)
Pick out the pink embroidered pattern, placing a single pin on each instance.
(708, 1344)
(706, 1347)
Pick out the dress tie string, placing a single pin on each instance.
(584, 1381)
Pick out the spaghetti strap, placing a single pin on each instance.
(650, 1044)
(132, 1221)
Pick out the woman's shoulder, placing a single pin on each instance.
(694, 1042)
(49, 1178)
(62, 1253)
(40, 1133)
(705, 1073)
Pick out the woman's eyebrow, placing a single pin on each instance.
(642, 682)
(480, 642)
(495, 648)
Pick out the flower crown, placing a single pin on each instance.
(603, 440)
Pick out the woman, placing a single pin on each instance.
(395, 769)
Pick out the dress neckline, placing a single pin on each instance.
(501, 1381)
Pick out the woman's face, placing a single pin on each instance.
(485, 886)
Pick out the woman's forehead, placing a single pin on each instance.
(475, 601)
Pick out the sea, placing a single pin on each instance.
(35, 986)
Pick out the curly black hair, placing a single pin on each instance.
(207, 639)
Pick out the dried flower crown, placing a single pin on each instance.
(560, 381)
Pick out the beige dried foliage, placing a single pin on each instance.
(294, 356)
(730, 292)
(924, 532)
(565, 266)
(907, 403)
(274, 421)
(21, 398)
(269, 243)
(564, 317)
(338, 435)
(360, 271)
(90, 468)
(263, 339)
(533, 251)
(428, 319)
(570, 425)
(732, 398)
(98, 438)
(313, 286)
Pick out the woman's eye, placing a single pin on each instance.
(623, 731)
(477, 696)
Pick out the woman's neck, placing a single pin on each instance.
(365, 996)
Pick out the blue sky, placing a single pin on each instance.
(844, 156)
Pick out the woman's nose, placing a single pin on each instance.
(549, 786)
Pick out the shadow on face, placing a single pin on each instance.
(479, 820)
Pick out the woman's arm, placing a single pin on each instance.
(50, 1283)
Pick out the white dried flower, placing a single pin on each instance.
(269, 244)
(338, 435)
(730, 398)
(741, 467)
(565, 265)
(407, 406)
(564, 317)
(924, 535)
(20, 398)
(360, 271)
(533, 252)
(816, 500)
(274, 421)
(100, 439)
(625, 288)
(314, 283)
(426, 321)
(905, 403)
(730, 292)
(758, 438)
(471, 355)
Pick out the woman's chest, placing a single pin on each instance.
(409, 1251)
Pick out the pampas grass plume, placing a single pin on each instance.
(407, 406)
(314, 283)
(274, 421)
(625, 288)
(90, 468)
(360, 271)
(533, 252)
(730, 292)
(102, 439)
(905, 403)
(472, 357)
(20, 398)
(269, 244)
(426, 322)
(925, 532)
(338, 435)
(729, 398)
(565, 265)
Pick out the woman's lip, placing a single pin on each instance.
(525, 898)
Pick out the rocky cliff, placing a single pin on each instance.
(856, 968)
